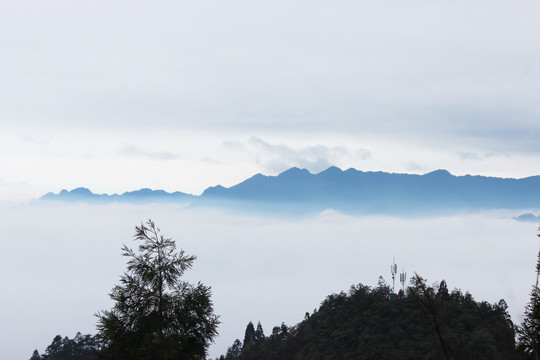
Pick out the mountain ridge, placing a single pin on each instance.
(143, 195)
(348, 190)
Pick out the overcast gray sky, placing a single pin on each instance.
(179, 95)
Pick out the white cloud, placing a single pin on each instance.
(279, 157)
(415, 167)
(468, 155)
(233, 145)
(133, 151)
(420, 70)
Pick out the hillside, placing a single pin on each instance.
(422, 323)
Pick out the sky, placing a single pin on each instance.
(120, 95)
(176, 95)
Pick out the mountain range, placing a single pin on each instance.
(138, 196)
(351, 191)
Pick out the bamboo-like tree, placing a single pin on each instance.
(157, 315)
(529, 331)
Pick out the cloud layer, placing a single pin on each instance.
(259, 268)
(446, 70)
(133, 151)
(277, 158)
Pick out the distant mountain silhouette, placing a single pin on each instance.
(350, 191)
(528, 217)
(139, 196)
(380, 192)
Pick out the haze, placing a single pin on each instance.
(59, 262)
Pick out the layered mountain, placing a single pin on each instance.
(350, 190)
(139, 196)
(381, 192)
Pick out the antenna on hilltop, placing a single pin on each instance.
(393, 269)
(403, 279)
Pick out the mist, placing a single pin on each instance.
(59, 262)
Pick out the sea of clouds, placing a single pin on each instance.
(58, 262)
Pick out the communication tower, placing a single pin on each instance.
(393, 269)
(403, 279)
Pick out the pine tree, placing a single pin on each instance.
(234, 351)
(157, 315)
(35, 355)
(249, 336)
(259, 333)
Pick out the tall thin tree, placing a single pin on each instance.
(529, 330)
(156, 314)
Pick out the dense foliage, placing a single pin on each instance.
(156, 315)
(81, 347)
(423, 323)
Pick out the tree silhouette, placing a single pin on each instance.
(249, 336)
(81, 347)
(157, 315)
(259, 333)
(234, 351)
(529, 331)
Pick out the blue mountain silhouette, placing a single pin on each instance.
(528, 217)
(350, 190)
(139, 196)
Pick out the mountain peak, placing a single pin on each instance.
(439, 173)
(81, 191)
(332, 170)
(213, 190)
(294, 171)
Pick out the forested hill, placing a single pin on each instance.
(349, 191)
(423, 323)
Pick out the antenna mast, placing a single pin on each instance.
(403, 279)
(393, 269)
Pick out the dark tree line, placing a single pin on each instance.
(365, 324)
(81, 347)
(423, 322)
